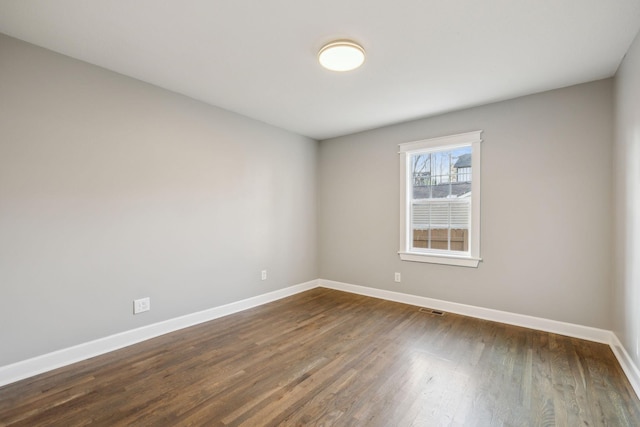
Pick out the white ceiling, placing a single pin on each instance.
(258, 57)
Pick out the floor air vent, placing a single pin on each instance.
(431, 311)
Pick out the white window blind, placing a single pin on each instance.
(441, 214)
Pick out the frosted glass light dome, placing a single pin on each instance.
(341, 55)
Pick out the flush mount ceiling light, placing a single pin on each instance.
(341, 55)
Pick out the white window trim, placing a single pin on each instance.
(448, 142)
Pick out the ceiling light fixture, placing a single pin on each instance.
(341, 55)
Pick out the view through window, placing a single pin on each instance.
(441, 199)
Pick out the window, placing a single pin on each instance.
(440, 200)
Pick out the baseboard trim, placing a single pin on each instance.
(57, 359)
(569, 329)
(626, 362)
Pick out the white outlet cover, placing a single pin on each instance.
(141, 305)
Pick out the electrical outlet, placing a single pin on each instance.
(398, 278)
(264, 274)
(141, 305)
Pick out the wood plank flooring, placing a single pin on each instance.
(328, 358)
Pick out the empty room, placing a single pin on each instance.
(294, 213)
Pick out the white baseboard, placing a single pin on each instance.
(569, 329)
(57, 359)
(47, 362)
(626, 362)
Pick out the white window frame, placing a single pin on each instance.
(466, 259)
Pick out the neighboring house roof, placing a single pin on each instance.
(464, 161)
(455, 189)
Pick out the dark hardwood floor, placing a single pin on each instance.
(325, 357)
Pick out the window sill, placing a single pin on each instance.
(440, 259)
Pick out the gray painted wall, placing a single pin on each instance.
(626, 307)
(112, 189)
(546, 211)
